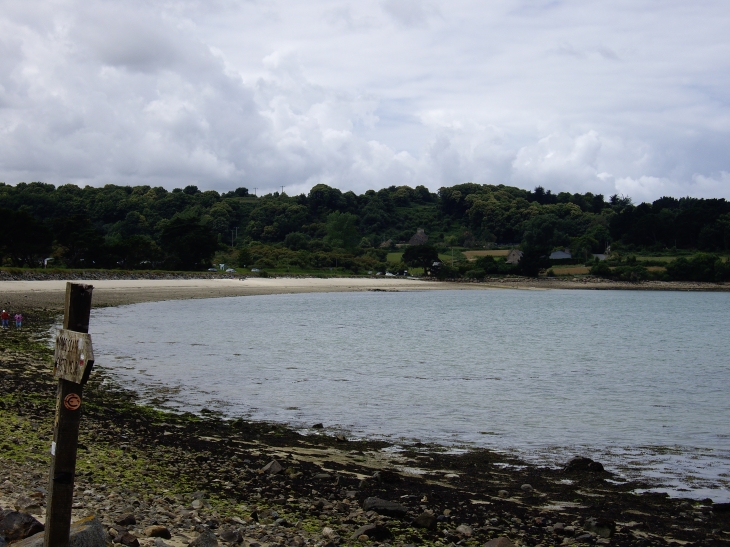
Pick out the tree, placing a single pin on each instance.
(342, 230)
(188, 244)
(81, 243)
(25, 240)
(421, 256)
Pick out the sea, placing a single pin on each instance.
(637, 380)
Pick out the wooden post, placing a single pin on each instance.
(66, 427)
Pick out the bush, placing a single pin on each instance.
(475, 274)
(700, 267)
(601, 269)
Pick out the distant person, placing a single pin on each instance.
(18, 320)
(6, 319)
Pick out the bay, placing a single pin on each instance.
(635, 379)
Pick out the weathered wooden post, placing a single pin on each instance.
(73, 360)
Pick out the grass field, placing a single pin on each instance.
(445, 258)
(473, 255)
(570, 270)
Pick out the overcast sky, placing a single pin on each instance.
(608, 96)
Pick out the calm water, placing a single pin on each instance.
(637, 380)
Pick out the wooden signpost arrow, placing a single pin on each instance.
(73, 360)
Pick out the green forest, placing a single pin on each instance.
(327, 230)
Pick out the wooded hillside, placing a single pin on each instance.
(143, 227)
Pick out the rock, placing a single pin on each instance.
(600, 526)
(7, 486)
(385, 507)
(159, 542)
(15, 525)
(128, 539)
(425, 520)
(25, 504)
(318, 426)
(464, 530)
(582, 464)
(126, 520)
(272, 468)
(88, 532)
(328, 532)
(500, 542)
(526, 488)
(374, 532)
(157, 531)
(503, 493)
(721, 507)
(386, 476)
(559, 527)
(197, 504)
(231, 536)
(206, 539)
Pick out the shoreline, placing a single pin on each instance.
(325, 480)
(114, 290)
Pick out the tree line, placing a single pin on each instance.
(145, 227)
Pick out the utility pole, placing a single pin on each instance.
(282, 190)
(254, 191)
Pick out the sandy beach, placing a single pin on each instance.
(49, 293)
(113, 292)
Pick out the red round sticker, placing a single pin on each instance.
(72, 401)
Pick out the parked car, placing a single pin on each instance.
(212, 269)
(255, 270)
(230, 270)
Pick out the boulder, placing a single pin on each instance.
(385, 507)
(425, 520)
(600, 526)
(582, 464)
(206, 539)
(374, 532)
(157, 531)
(87, 532)
(231, 536)
(500, 542)
(126, 520)
(272, 468)
(464, 530)
(386, 476)
(15, 525)
(125, 538)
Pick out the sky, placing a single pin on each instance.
(608, 96)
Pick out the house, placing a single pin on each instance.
(561, 255)
(514, 256)
(420, 238)
(386, 244)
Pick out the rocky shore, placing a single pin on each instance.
(155, 478)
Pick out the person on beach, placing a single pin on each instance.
(6, 319)
(18, 320)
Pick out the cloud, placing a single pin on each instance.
(603, 96)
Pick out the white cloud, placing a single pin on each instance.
(576, 96)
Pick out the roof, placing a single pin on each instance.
(420, 238)
(560, 255)
(514, 256)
